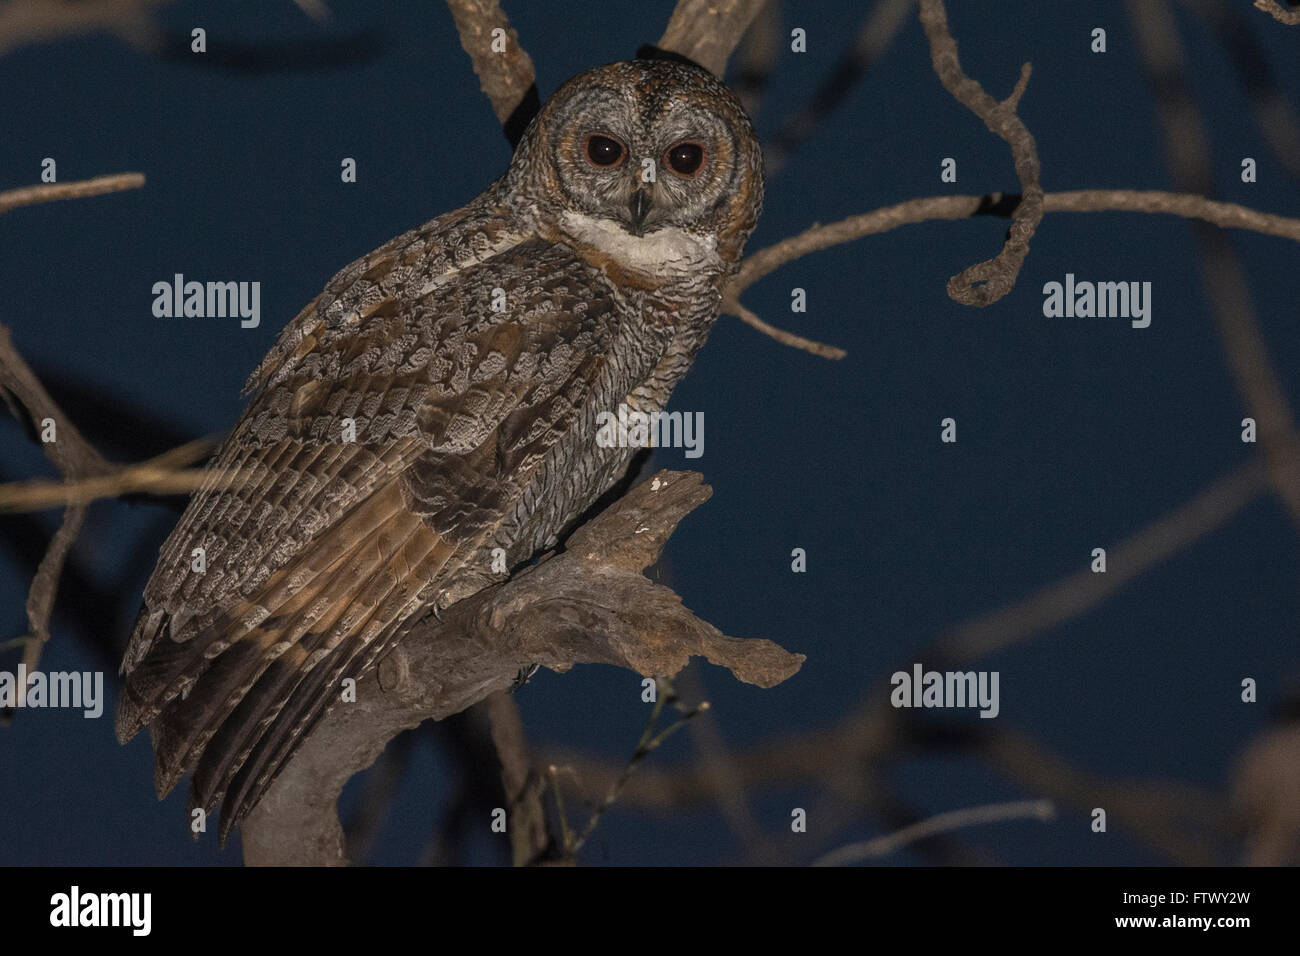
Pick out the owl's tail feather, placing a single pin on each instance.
(355, 647)
(297, 616)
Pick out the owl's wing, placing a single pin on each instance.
(323, 547)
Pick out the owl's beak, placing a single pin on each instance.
(639, 205)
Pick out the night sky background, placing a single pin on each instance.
(1073, 433)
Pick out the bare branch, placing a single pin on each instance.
(707, 31)
(590, 603)
(1225, 215)
(872, 732)
(942, 823)
(1266, 778)
(162, 475)
(48, 192)
(1069, 597)
(45, 586)
(782, 336)
(815, 238)
(505, 77)
(874, 37)
(757, 57)
(1290, 17)
(70, 452)
(530, 837)
(986, 282)
(648, 743)
(37, 21)
(1188, 155)
(74, 457)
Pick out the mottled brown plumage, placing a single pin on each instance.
(473, 356)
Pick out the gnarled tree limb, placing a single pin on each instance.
(589, 604)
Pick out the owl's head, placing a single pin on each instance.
(642, 147)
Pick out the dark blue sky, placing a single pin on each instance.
(1073, 433)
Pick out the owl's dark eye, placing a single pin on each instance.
(603, 151)
(685, 159)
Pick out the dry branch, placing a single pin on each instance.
(588, 604)
(75, 459)
(873, 39)
(1290, 17)
(530, 836)
(1188, 156)
(48, 192)
(707, 31)
(815, 238)
(941, 823)
(781, 335)
(40, 21)
(872, 733)
(986, 282)
(164, 474)
(1069, 597)
(505, 77)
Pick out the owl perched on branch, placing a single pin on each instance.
(439, 401)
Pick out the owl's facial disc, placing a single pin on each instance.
(645, 166)
(646, 154)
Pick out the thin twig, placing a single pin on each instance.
(648, 743)
(986, 282)
(874, 37)
(45, 585)
(70, 452)
(162, 475)
(48, 192)
(1067, 598)
(782, 336)
(942, 823)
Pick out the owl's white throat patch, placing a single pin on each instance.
(669, 249)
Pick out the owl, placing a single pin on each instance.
(436, 402)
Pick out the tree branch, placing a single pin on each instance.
(818, 237)
(1289, 17)
(531, 838)
(707, 31)
(39, 21)
(506, 77)
(48, 192)
(986, 282)
(588, 604)
(941, 823)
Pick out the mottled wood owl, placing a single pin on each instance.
(436, 402)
